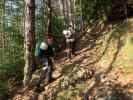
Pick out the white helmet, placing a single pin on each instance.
(43, 46)
(67, 33)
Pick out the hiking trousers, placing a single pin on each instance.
(46, 70)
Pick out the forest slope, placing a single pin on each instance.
(109, 55)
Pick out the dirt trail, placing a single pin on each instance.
(86, 54)
(76, 74)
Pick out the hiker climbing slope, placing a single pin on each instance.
(51, 41)
(70, 38)
(47, 60)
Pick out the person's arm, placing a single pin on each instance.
(40, 53)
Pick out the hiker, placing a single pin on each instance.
(47, 60)
(50, 39)
(53, 44)
(72, 30)
(70, 41)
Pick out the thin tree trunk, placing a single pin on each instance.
(81, 16)
(69, 14)
(43, 15)
(1, 33)
(125, 7)
(49, 24)
(64, 12)
(29, 40)
(72, 12)
(61, 7)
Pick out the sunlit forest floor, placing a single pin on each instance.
(103, 68)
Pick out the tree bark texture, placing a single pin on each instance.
(29, 42)
(49, 24)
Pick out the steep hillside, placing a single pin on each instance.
(102, 68)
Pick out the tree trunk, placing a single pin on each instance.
(29, 40)
(3, 31)
(64, 12)
(2, 41)
(72, 12)
(81, 16)
(49, 24)
(69, 14)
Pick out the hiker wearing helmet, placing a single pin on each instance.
(46, 56)
(70, 41)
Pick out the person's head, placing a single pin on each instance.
(67, 33)
(43, 46)
(50, 39)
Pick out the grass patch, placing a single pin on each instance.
(119, 46)
(72, 92)
(125, 57)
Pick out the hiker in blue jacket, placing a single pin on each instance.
(47, 59)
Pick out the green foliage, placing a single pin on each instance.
(3, 90)
(9, 70)
(11, 28)
(10, 74)
(57, 25)
(95, 9)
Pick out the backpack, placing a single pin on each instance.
(37, 49)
